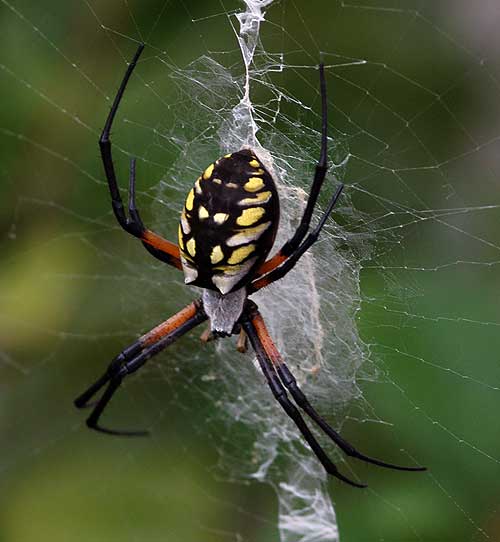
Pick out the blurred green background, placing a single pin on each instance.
(414, 89)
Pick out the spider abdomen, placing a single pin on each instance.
(228, 223)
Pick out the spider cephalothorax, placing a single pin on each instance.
(226, 231)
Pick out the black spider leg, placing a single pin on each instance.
(82, 401)
(129, 225)
(291, 385)
(279, 272)
(281, 396)
(135, 218)
(133, 223)
(319, 175)
(126, 363)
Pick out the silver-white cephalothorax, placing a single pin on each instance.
(223, 310)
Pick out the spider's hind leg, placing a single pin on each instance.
(288, 255)
(155, 244)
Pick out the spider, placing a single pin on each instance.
(226, 231)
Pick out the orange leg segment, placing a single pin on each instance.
(134, 357)
(160, 248)
(170, 325)
(261, 339)
(271, 363)
(272, 263)
(168, 250)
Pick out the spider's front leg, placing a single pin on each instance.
(273, 364)
(155, 244)
(133, 358)
(280, 394)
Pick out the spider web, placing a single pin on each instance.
(390, 323)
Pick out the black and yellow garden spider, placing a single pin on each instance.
(227, 229)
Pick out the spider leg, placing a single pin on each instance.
(160, 248)
(242, 344)
(134, 357)
(146, 340)
(319, 176)
(287, 264)
(281, 396)
(290, 383)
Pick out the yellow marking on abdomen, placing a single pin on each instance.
(220, 218)
(247, 235)
(216, 256)
(253, 184)
(228, 155)
(191, 247)
(262, 197)
(217, 181)
(250, 216)
(226, 269)
(197, 186)
(190, 200)
(179, 235)
(202, 213)
(240, 254)
(208, 172)
(254, 163)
